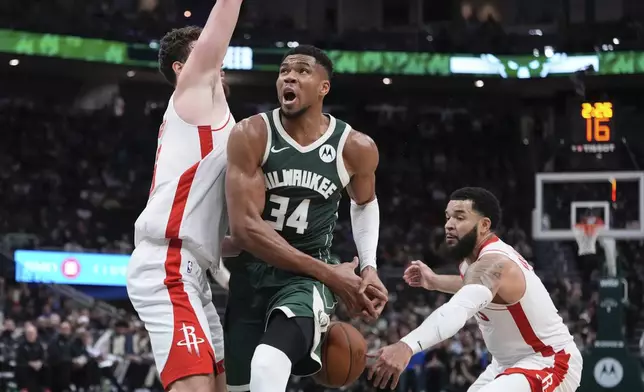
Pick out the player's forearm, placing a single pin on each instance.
(365, 224)
(261, 240)
(449, 284)
(449, 318)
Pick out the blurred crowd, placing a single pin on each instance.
(443, 28)
(47, 343)
(75, 178)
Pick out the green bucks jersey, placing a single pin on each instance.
(303, 186)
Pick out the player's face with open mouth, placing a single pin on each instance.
(297, 84)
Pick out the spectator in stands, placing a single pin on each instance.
(464, 372)
(8, 347)
(85, 370)
(31, 372)
(60, 358)
(436, 369)
(123, 347)
(413, 378)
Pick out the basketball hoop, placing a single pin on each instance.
(586, 236)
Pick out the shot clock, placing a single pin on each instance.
(593, 128)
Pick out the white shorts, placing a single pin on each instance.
(171, 294)
(558, 373)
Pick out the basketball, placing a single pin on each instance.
(344, 358)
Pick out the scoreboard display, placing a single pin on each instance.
(593, 128)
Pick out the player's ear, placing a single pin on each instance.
(485, 225)
(177, 67)
(325, 87)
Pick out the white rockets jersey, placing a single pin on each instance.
(532, 325)
(187, 200)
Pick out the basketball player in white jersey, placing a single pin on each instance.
(180, 233)
(531, 347)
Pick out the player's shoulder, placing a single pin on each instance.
(250, 135)
(360, 148)
(251, 127)
(360, 153)
(360, 141)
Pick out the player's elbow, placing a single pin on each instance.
(242, 231)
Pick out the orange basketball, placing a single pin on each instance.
(344, 356)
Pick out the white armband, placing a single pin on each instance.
(448, 319)
(365, 224)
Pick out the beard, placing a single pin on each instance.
(295, 114)
(463, 247)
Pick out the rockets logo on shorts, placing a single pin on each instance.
(190, 340)
(547, 381)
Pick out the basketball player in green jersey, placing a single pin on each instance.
(286, 172)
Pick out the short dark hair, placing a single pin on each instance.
(483, 201)
(175, 46)
(317, 53)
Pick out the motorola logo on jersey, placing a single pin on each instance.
(327, 153)
(70, 268)
(608, 372)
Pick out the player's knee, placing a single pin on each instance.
(197, 383)
(267, 360)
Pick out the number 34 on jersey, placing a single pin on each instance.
(304, 184)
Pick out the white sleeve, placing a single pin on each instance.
(448, 319)
(365, 224)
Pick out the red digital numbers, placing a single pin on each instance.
(598, 116)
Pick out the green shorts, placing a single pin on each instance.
(247, 315)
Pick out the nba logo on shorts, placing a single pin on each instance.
(189, 267)
(190, 340)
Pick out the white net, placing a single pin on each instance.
(586, 237)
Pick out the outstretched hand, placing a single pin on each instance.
(418, 274)
(390, 362)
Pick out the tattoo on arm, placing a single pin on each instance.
(486, 272)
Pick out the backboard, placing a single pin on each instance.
(563, 200)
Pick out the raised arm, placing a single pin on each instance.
(206, 58)
(199, 96)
